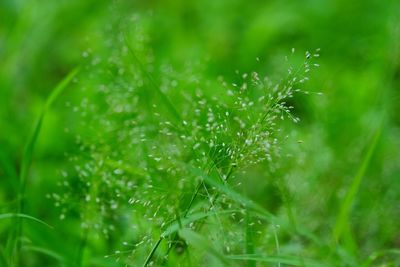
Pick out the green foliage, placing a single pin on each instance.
(194, 134)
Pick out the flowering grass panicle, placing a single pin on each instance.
(151, 154)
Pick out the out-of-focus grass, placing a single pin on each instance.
(41, 41)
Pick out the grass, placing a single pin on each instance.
(15, 239)
(343, 217)
(199, 133)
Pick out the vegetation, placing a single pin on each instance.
(204, 133)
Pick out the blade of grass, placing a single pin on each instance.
(174, 227)
(348, 201)
(224, 188)
(45, 251)
(81, 248)
(29, 147)
(376, 255)
(196, 240)
(249, 239)
(249, 204)
(15, 215)
(27, 159)
(153, 251)
(278, 250)
(168, 104)
(287, 260)
(60, 87)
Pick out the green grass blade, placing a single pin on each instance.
(23, 216)
(287, 260)
(29, 147)
(374, 256)
(249, 239)
(60, 87)
(225, 188)
(164, 98)
(175, 226)
(27, 157)
(26, 162)
(45, 251)
(152, 252)
(345, 208)
(198, 241)
(258, 209)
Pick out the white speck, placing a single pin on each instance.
(118, 171)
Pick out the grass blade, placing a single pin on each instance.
(45, 251)
(26, 162)
(374, 256)
(24, 216)
(258, 209)
(249, 239)
(60, 87)
(175, 226)
(345, 208)
(224, 188)
(164, 98)
(196, 240)
(29, 147)
(288, 260)
(152, 252)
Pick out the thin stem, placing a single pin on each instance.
(81, 248)
(194, 196)
(154, 249)
(276, 243)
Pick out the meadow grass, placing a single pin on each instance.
(15, 239)
(194, 134)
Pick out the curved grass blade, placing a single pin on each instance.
(46, 252)
(287, 260)
(164, 98)
(27, 159)
(224, 188)
(153, 251)
(176, 225)
(258, 209)
(198, 241)
(249, 240)
(24, 216)
(343, 217)
(374, 256)
(60, 87)
(29, 147)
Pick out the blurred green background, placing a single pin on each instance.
(42, 41)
